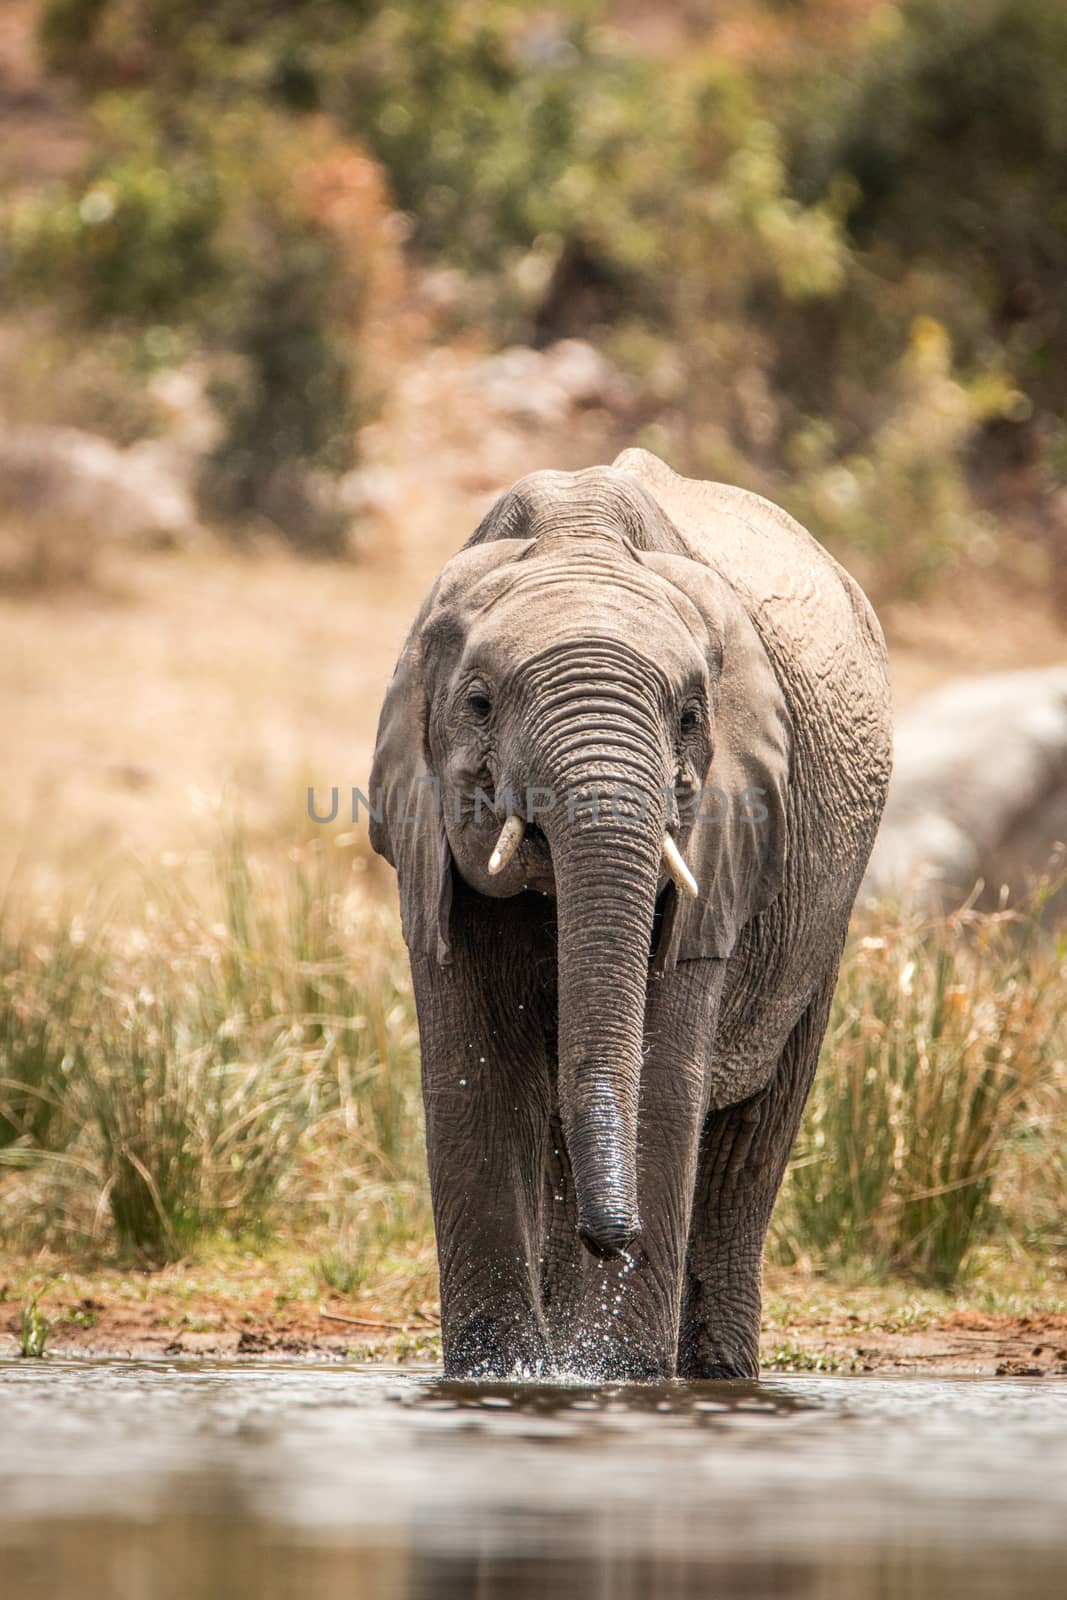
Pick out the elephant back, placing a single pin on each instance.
(815, 622)
(827, 651)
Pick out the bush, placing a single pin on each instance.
(901, 505)
(134, 240)
(303, 244)
(504, 129)
(270, 253)
(952, 130)
(774, 207)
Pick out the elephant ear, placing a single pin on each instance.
(738, 843)
(407, 818)
(406, 808)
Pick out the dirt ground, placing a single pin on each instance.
(188, 686)
(811, 1324)
(248, 1307)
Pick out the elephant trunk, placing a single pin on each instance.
(605, 894)
(605, 834)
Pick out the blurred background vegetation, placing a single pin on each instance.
(825, 237)
(820, 248)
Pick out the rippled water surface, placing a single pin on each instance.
(138, 1479)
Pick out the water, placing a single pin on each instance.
(130, 1479)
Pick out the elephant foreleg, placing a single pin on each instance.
(486, 1093)
(562, 1252)
(743, 1155)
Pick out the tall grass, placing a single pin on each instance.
(43, 981)
(938, 1098)
(253, 1068)
(245, 1073)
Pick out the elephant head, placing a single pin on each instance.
(573, 680)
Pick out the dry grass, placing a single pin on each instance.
(937, 1115)
(253, 1069)
(188, 681)
(46, 556)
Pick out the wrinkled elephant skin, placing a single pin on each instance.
(613, 1067)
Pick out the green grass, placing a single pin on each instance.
(44, 981)
(248, 1070)
(33, 1328)
(791, 1357)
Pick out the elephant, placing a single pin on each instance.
(629, 771)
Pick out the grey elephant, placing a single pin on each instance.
(629, 771)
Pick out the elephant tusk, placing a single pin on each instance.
(510, 839)
(675, 863)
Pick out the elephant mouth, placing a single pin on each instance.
(521, 857)
(505, 868)
(534, 860)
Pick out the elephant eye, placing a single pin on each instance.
(479, 703)
(692, 719)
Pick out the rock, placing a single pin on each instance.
(979, 790)
(514, 384)
(584, 375)
(194, 426)
(371, 491)
(541, 388)
(64, 475)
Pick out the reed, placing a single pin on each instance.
(249, 1072)
(939, 1097)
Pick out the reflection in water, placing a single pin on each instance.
(636, 1399)
(209, 1558)
(133, 1479)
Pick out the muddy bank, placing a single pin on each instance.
(259, 1312)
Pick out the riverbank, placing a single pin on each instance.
(241, 1304)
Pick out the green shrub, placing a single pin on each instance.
(296, 294)
(135, 238)
(778, 221)
(504, 129)
(901, 505)
(953, 131)
(228, 234)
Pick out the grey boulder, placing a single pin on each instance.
(979, 790)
